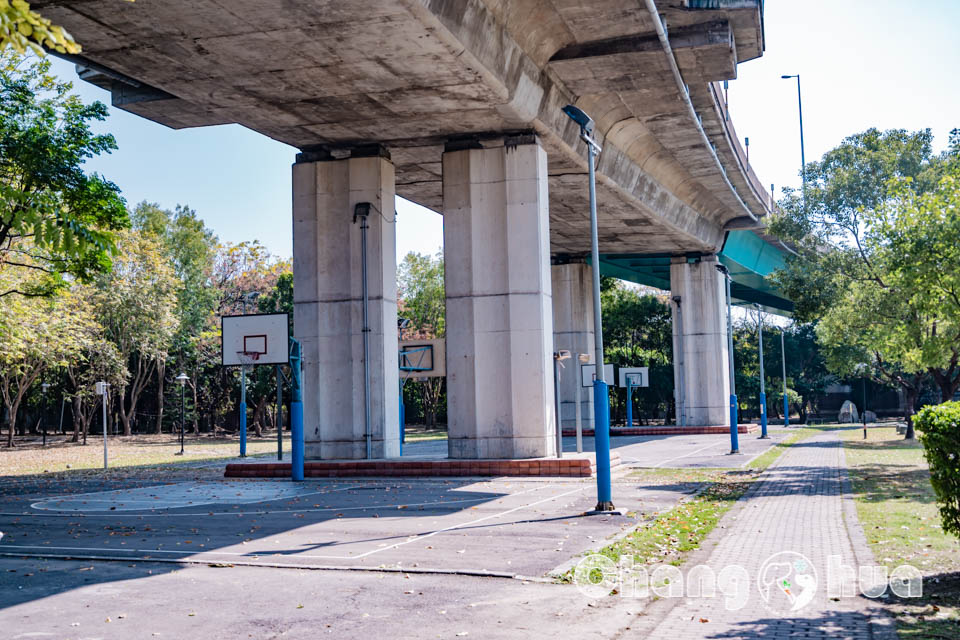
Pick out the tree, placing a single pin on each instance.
(37, 334)
(22, 28)
(846, 273)
(638, 331)
(135, 303)
(56, 222)
(423, 304)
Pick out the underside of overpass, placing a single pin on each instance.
(456, 105)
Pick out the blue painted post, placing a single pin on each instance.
(763, 384)
(243, 428)
(601, 433)
(629, 400)
(734, 422)
(296, 414)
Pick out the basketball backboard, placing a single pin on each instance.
(639, 375)
(423, 358)
(263, 336)
(589, 371)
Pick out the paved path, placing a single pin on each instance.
(798, 508)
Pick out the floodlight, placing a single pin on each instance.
(361, 210)
(581, 118)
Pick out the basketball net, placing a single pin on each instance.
(248, 359)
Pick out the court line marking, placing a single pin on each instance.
(692, 453)
(67, 498)
(410, 539)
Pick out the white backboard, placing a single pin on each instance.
(587, 372)
(423, 358)
(264, 333)
(640, 375)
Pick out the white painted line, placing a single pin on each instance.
(692, 453)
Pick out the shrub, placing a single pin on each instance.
(939, 428)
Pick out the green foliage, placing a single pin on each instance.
(637, 332)
(939, 428)
(55, 220)
(420, 286)
(880, 258)
(21, 29)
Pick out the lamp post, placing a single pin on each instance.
(734, 436)
(803, 160)
(786, 402)
(601, 399)
(251, 296)
(43, 411)
(763, 387)
(182, 379)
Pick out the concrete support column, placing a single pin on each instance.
(328, 312)
(704, 379)
(496, 242)
(573, 330)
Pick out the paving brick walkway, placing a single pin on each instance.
(798, 507)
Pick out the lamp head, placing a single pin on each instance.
(361, 210)
(785, 77)
(182, 379)
(581, 118)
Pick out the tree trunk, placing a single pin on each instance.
(161, 374)
(196, 424)
(258, 417)
(910, 396)
(77, 419)
(947, 381)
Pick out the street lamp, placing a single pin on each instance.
(803, 160)
(251, 296)
(734, 437)
(601, 399)
(763, 387)
(43, 412)
(786, 402)
(182, 379)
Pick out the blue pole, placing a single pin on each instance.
(763, 384)
(629, 401)
(296, 414)
(734, 436)
(786, 401)
(296, 441)
(243, 428)
(601, 439)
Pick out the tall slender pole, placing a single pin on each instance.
(183, 413)
(601, 398)
(763, 386)
(279, 414)
(296, 413)
(803, 157)
(786, 401)
(734, 423)
(366, 339)
(43, 412)
(579, 383)
(243, 397)
(556, 402)
(104, 427)
(681, 363)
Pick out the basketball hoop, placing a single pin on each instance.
(248, 358)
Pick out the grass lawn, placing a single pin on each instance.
(126, 452)
(419, 434)
(896, 506)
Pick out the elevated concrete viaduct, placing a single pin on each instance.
(456, 105)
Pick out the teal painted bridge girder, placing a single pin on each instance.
(748, 257)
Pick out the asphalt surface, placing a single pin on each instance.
(357, 554)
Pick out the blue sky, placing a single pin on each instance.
(864, 63)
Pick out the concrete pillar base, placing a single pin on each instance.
(499, 311)
(328, 315)
(706, 379)
(573, 330)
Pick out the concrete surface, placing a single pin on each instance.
(706, 373)
(327, 305)
(573, 330)
(500, 401)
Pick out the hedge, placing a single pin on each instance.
(939, 428)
